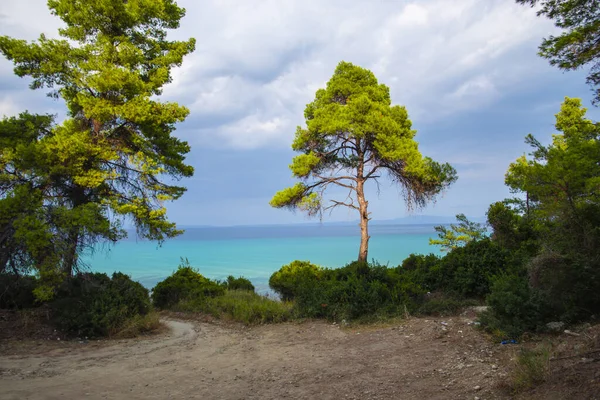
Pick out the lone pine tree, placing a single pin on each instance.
(354, 135)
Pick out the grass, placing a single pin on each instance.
(442, 306)
(242, 306)
(531, 367)
(139, 325)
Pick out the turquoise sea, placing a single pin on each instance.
(255, 252)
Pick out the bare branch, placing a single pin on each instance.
(339, 203)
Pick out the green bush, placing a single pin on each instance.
(185, 284)
(514, 307)
(531, 367)
(240, 283)
(92, 304)
(287, 281)
(16, 291)
(422, 269)
(465, 272)
(468, 271)
(569, 285)
(439, 304)
(357, 290)
(239, 305)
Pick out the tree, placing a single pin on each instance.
(578, 45)
(37, 219)
(353, 135)
(458, 235)
(109, 159)
(563, 179)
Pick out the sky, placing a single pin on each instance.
(466, 70)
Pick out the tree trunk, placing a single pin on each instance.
(364, 221)
(77, 197)
(70, 260)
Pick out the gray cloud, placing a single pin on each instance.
(467, 70)
(259, 62)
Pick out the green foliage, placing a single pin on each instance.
(514, 226)
(568, 285)
(239, 305)
(357, 290)
(65, 187)
(17, 291)
(287, 281)
(577, 45)
(557, 232)
(561, 178)
(353, 134)
(441, 305)
(458, 235)
(469, 270)
(139, 325)
(93, 304)
(514, 307)
(531, 368)
(465, 272)
(240, 283)
(184, 284)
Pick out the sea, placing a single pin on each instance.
(255, 252)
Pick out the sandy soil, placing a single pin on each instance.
(416, 359)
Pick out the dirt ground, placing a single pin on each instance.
(414, 359)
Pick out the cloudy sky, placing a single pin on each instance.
(466, 70)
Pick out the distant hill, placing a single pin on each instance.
(424, 219)
(409, 220)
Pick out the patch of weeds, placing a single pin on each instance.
(531, 367)
(240, 305)
(442, 306)
(140, 325)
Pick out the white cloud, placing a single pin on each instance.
(259, 62)
(250, 132)
(7, 107)
(412, 14)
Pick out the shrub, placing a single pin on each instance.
(423, 270)
(357, 290)
(92, 304)
(185, 284)
(569, 285)
(468, 271)
(531, 367)
(514, 307)
(240, 305)
(240, 283)
(139, 325)
(290, 278)
(465, 272)
(16, 291)
(439, 304)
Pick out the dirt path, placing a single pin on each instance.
(418, 359)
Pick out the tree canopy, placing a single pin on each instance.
(578, 45)
(458, 234)
(353, 135)
(109, 158)
(563, 178)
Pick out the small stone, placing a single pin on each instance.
(476, 388)
(494, 366)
